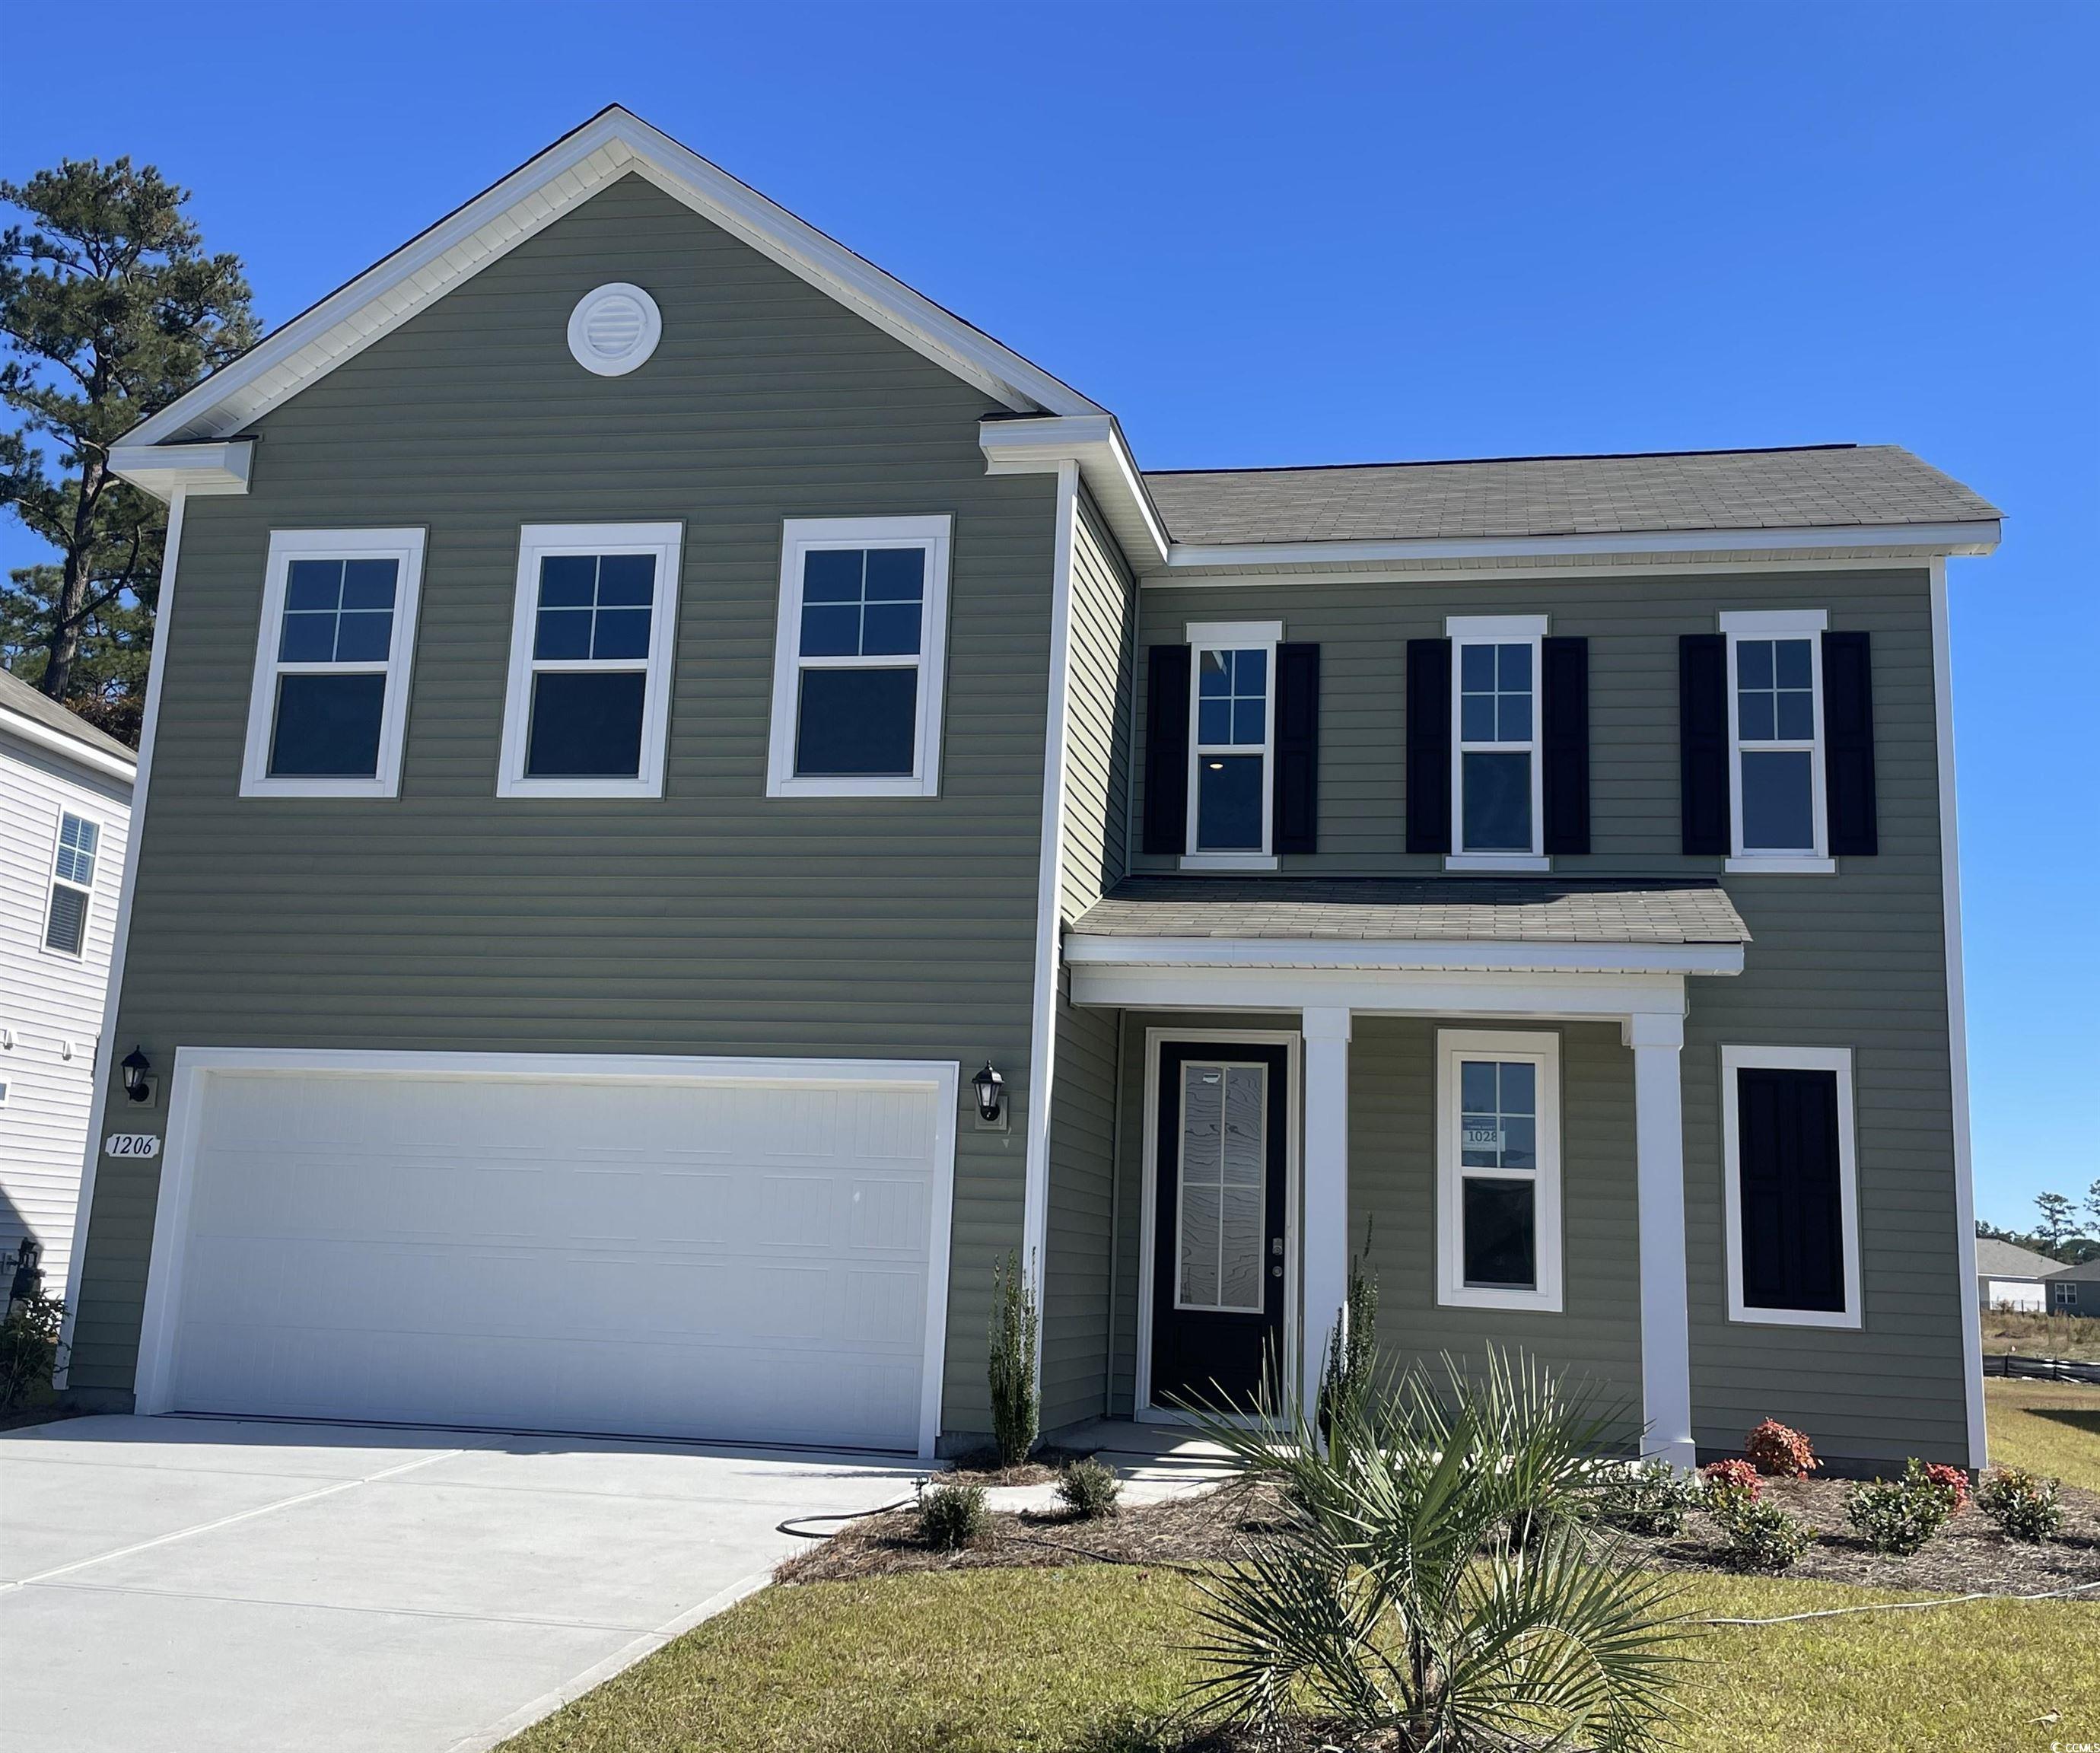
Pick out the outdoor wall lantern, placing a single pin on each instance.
(991, 1093)
(136, 1066)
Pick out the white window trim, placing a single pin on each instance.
(1233, 635)
(1224, 1062)
(53, 882)
(1463, 630)
(798, 536)
(1777, 624)
(1542, 1049)
(1836, 1059)
(536, 542)
(404, 547)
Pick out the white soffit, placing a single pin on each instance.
(611, 145)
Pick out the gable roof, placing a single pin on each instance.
(2085, 1272)
(1824, 486)
(612, 144)
(2008, 1260)
(36, 716)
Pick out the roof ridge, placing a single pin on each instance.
(1446, 462)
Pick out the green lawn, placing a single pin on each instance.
(1083, 1660)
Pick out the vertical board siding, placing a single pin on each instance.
(1094, 853)
(47, 998)
(714, 920)
(1856, 959)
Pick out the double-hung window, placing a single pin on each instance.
(1497, 780)
(858, 658)
(589, 701)
(330, 700)
(1232, 743)
(1498, 1169)
(72, 883)
(1775, 718)
(1792, 1193)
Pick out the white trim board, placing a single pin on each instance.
(1543, 997)
(46, 740)
(1142, 1411)
(1838, 1061)
(612, 144)
(194, 1066)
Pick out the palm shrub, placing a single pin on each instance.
(1015, 1410)
(1352, 1364)
(1394, 1594)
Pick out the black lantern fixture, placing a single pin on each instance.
(992, 1092)
(135, 1066)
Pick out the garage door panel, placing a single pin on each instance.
(700, 1260)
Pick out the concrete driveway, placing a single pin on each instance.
(182, 1585)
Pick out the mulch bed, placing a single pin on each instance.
(1969, 1555)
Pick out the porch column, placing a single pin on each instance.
(1324, 1234)
(1657, 1041)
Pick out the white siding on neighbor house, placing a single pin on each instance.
(47, 999)
(2012, 1293)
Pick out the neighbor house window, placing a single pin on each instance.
(1791, 1193)
(1232, 743)
(858, 658)
(589, 701)
(72, 883)
(2065, 1295)
(330, 699)
(1497, 784)
(1498, 1169)
(1776, 712)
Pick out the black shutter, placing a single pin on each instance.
(1167, 749)
(1848, 745)
(1792, 1212)
(1428, 746)
(1297, 782)
(1564, 664)
(1702, 742)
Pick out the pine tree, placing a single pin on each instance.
(109, 310)
(2057, 1223)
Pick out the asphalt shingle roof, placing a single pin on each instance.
(1826, 486)
(1427, 909)
(2009, 1259)
(17, 695)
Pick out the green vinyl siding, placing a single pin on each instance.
(714, 920)
(1856, 960)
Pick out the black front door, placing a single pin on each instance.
(1218, 1275)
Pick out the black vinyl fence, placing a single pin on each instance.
(2041, 1369)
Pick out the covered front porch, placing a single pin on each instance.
(1474, 1083)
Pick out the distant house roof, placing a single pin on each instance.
(2009, 1259)
(1815, 487)
(43, 714)
(2087, 1274)
(1422, 909)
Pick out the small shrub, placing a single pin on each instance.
(2022, 1504)
(29, 1349)
(1775, 1449)
(1954, 1479)
(1900, 1515)
(1730, 1481)
(1759, 1536)
(1653, 1497)
(1352, 1344)
(1088, 1488)
(950, 1515)
(1016, 1325)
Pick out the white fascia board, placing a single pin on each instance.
(1096, 443)
(1967, 538)
(42, 736)
(1448, 957)
(197, 470)
(1392, 991)
(610, 145)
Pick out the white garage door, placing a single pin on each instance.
(733, 1261)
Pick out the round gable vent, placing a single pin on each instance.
(615, 329)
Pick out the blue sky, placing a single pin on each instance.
(1268, 235)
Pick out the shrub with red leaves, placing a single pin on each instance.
(1952, 1479)
(1775, 1449)
(1732, 1479)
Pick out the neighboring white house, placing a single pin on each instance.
(65, 816)
(2009, 1276)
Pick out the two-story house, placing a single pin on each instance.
(696, 801)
